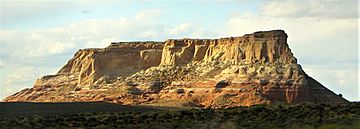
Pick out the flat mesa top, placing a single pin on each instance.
(258, 34)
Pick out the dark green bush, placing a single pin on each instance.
(258, 116)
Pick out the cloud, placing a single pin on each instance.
(148, 14)
(188, 30)
(33, 44)
(20, 76)
(16, 77)
(306, 35)
(1, 63)
(87, 33)
(8, 91)
(337, 37)
(323, 9)
(182, 29)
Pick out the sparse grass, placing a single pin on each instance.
(302, 116)
(171, 103)
(222, 99)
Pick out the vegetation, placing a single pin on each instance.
(301, 116)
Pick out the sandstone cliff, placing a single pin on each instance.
(117, 60)
(261, 47)
(256, 68)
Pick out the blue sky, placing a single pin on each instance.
(38, 37)
(67, 12)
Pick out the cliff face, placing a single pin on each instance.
(261, 47)
(117, 60)
(256, 68)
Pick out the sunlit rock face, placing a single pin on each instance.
(257, 68)
(263, 47)
(118, 60)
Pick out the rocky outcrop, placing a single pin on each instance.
(257, 68)
(118, 60)
(261, 47)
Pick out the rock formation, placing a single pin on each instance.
(117, 60)
(257, 68)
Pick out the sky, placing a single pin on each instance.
(38, 37)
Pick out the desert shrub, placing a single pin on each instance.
(222, 84)
(257, 116)
(133, 90)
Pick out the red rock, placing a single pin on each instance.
(258, 68)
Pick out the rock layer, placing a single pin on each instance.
(257, 68)
(262, 47)
(117, 60)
